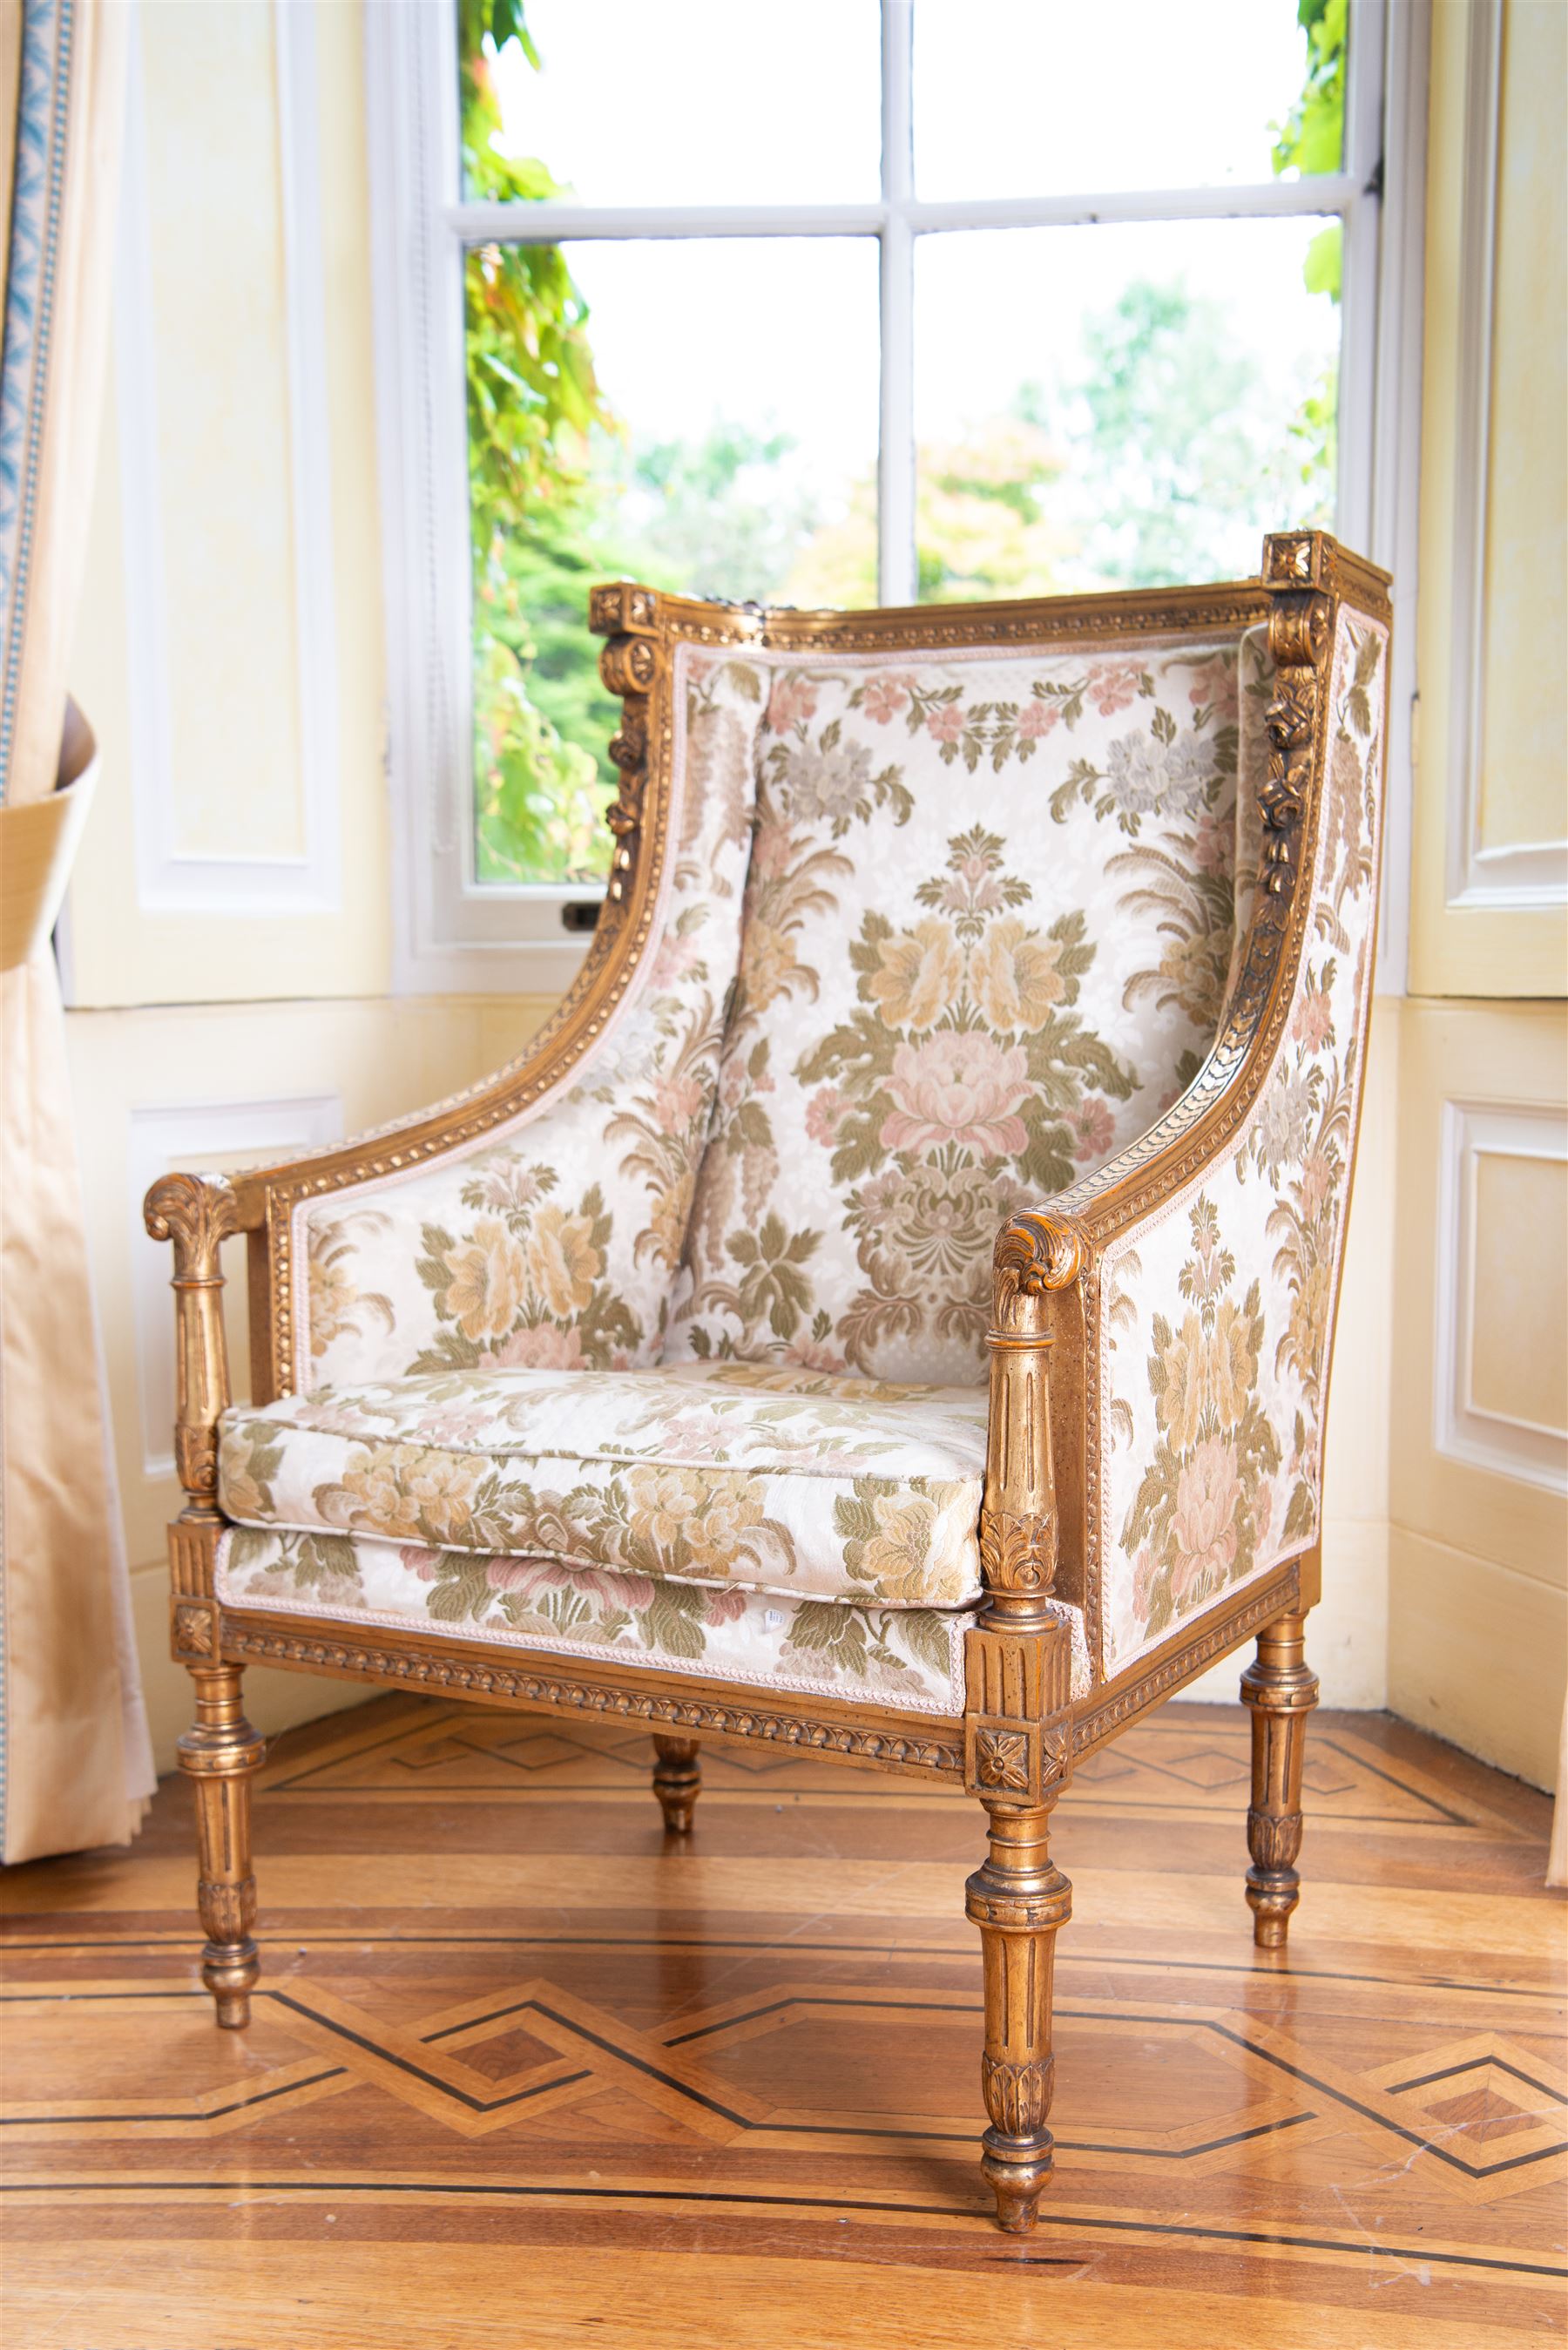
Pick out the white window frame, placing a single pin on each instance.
(454, 933)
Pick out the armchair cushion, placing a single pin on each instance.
(832, 1488)
(986, 940)
(907, 1657)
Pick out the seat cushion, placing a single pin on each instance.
(911, 1658)
(774, 1481)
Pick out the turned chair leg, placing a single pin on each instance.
(220, 1755)
(677, 1780)
(1018, 1898)
(1281, 1689)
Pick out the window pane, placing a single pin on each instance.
(1155, 399)
(1030, 97)
(701, 104)
(699, 414)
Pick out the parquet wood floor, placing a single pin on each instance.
(522, 2074)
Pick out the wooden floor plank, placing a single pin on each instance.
(166, 2294)
(512, 2052)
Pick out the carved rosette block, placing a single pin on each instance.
(1296, 558)
(194, 1634)
(630, 666)
(1017, 1713)
(220, 1755)
(1281, 1689)
(677, 1780)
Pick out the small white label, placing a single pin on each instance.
(772, 1618)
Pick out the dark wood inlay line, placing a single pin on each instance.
(781, 1948)
(1478, 2064)
(512, 2190)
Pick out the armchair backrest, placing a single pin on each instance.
(988, 930)
(914, 917)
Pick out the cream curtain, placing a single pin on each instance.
(76, 1766)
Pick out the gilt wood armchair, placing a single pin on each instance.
(975, 984)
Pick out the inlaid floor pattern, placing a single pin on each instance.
(521, 2072)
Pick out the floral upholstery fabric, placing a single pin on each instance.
(907, 1657)
(1216, 1312)
(556, 1242)
(787, 1483)
(987, 932)
(691, 1351)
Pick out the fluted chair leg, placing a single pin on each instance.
(1018, 1898)
(677, 1780)
(220, 1755)
(1281, 1689)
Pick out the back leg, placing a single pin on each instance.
(1280, 1687)
(677, 1780)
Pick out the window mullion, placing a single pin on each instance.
(895, 440)
(553, 224)
(549, 224)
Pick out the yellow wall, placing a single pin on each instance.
(1493, 580)
(1477, 1626)
(213, 1005)
(1479, 1568)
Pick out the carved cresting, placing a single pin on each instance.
(1017, 1718)
(628, 665)
(221, 1751)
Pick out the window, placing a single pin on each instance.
(842, 303)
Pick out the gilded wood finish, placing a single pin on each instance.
(220, 1752)
(1281, 1689)
(1039, 1531)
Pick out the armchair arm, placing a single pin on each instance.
(198, 1214)
(1189, 1286)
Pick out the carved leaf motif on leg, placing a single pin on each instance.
(1019, 1898)
(1017, 2097)
(1017, 1554)
(1280, 1689)
(221, 1754)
